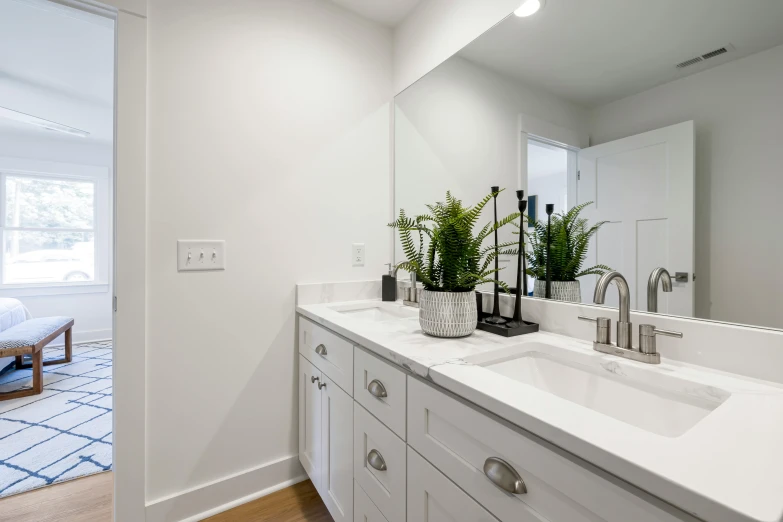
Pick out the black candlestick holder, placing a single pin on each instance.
(549, 209)
(516, 325)
(496, 318)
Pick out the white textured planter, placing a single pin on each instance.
(561, 290)
(448, 314)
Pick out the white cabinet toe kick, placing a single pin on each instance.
(381, 445)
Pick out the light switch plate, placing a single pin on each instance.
(200, 255)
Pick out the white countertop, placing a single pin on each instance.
(728, 467)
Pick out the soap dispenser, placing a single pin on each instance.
(389, 284)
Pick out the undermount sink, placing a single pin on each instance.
(378, 311)
(646, 398)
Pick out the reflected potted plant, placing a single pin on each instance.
(570, 239)
(450, 260)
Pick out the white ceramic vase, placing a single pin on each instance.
(561, 290)
(447, 314)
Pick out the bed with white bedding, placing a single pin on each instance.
(12, 312)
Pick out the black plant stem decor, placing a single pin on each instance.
(496, 318)
(549, 209)
(517, 319)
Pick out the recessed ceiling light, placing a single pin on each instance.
(529, 7)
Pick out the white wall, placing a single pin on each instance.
(92, 312)
(437, 29)
(738, 113)
(458, 129)
(268, 127)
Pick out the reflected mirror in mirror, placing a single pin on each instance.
(660, 123)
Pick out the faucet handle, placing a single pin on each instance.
(603, 328)
(647, 333)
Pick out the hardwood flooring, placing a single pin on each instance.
(89, 499)
(299, 503)
(86, 499)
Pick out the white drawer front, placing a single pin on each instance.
(373, 375)
(363, 508)
(458, 440)
(434, 498)
(385, 488)
(336, 357)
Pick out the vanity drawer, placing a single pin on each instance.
(381, 389)
(376, 446)
(458, 440)
(432, 497)
(336, 354)
(363, 508)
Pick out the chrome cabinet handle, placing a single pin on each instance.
(313, 379)
(375, 460)
(377, 389)
(321, 385)
(504, 476)
(320, 350)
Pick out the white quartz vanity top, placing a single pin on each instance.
(728, 467)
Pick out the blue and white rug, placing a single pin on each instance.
(63, 433)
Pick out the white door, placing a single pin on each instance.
(336, 451)
(310, 420)
(434, 498)
(643, 186)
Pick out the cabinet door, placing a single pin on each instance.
(363, 508)
(310, 421)
(434, 498)
(336, 451)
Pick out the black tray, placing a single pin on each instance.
(504, 329)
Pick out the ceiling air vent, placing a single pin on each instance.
(688, 63)
(716, 52)
(712, 54)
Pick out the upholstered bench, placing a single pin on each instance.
(29, 338)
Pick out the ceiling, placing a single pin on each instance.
(56, 63)
(387, 12)
(595, 52)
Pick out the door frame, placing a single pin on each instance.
(130, 250)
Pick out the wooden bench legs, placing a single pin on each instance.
(37, 365)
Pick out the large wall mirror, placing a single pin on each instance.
(660, 121)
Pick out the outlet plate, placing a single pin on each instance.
(357, 254)
(195, 255)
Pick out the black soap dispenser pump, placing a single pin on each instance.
(389, 284)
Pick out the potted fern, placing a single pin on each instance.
(450, 260)
(570, 239)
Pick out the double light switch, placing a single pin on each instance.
(198, 255)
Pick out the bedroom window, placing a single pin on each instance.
(49, 229)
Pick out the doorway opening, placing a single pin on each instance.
(57, 236)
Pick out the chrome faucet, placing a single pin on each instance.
(659, 274)
(624, 334)
(647, 352)
(412, 293)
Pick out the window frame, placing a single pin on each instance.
(102, 225)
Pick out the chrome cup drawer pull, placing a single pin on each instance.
(377, 389)
(320, 350)
(504, 476)
(375, 460)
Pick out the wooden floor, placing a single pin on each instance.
(83, 500)
(299, 503)
(90, 500)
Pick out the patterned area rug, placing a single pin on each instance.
(63, 433)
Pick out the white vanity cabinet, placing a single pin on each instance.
(326, 416)
(385, 446)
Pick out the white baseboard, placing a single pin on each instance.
(80, 337)
(221, 495)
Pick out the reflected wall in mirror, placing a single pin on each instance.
(667, 116)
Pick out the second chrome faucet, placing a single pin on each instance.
(647, 351)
